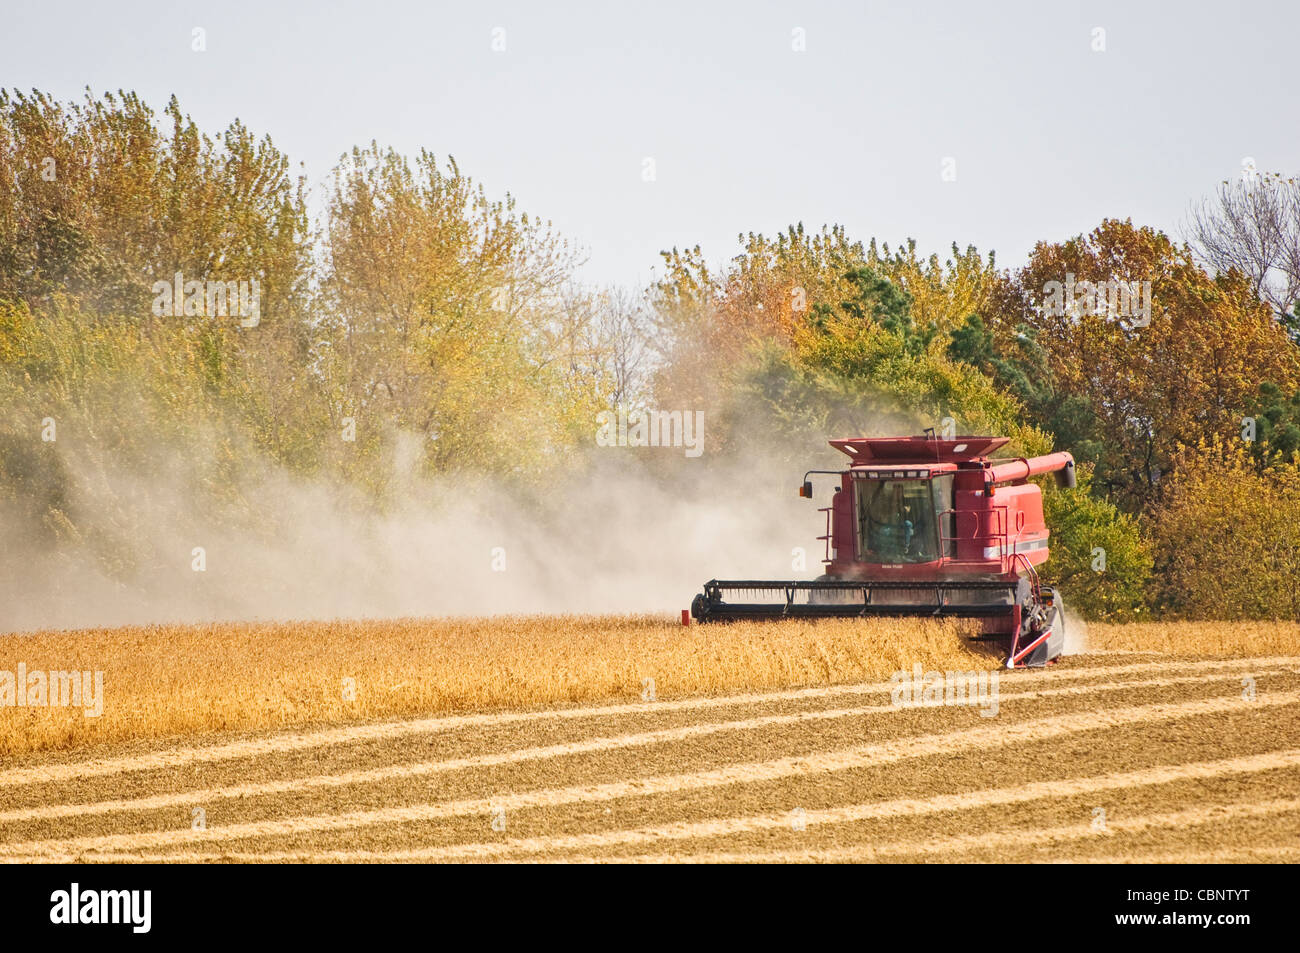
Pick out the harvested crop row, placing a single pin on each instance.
(947, 848)
(733, 774)
(594, 745)
(674, 837)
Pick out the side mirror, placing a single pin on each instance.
(806, 490)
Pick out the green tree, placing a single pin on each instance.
(1024, 371)
(1100, 560)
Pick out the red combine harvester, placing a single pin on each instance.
(920, 526)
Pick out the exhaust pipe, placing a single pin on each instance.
(1065, 476)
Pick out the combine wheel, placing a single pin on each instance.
(700, 608)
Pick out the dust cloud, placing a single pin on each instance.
(625, 530)
(1076, 633)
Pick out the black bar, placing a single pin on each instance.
(334, 906)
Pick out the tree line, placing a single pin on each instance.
(417, 318)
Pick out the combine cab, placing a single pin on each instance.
(920, 526)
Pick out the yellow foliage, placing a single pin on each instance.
(1227, 535)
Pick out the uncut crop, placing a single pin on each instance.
(176, 680)
(1198, 638)
(187, 679)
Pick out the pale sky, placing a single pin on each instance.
(746, 133)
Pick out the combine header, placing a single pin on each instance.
(920, 526)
